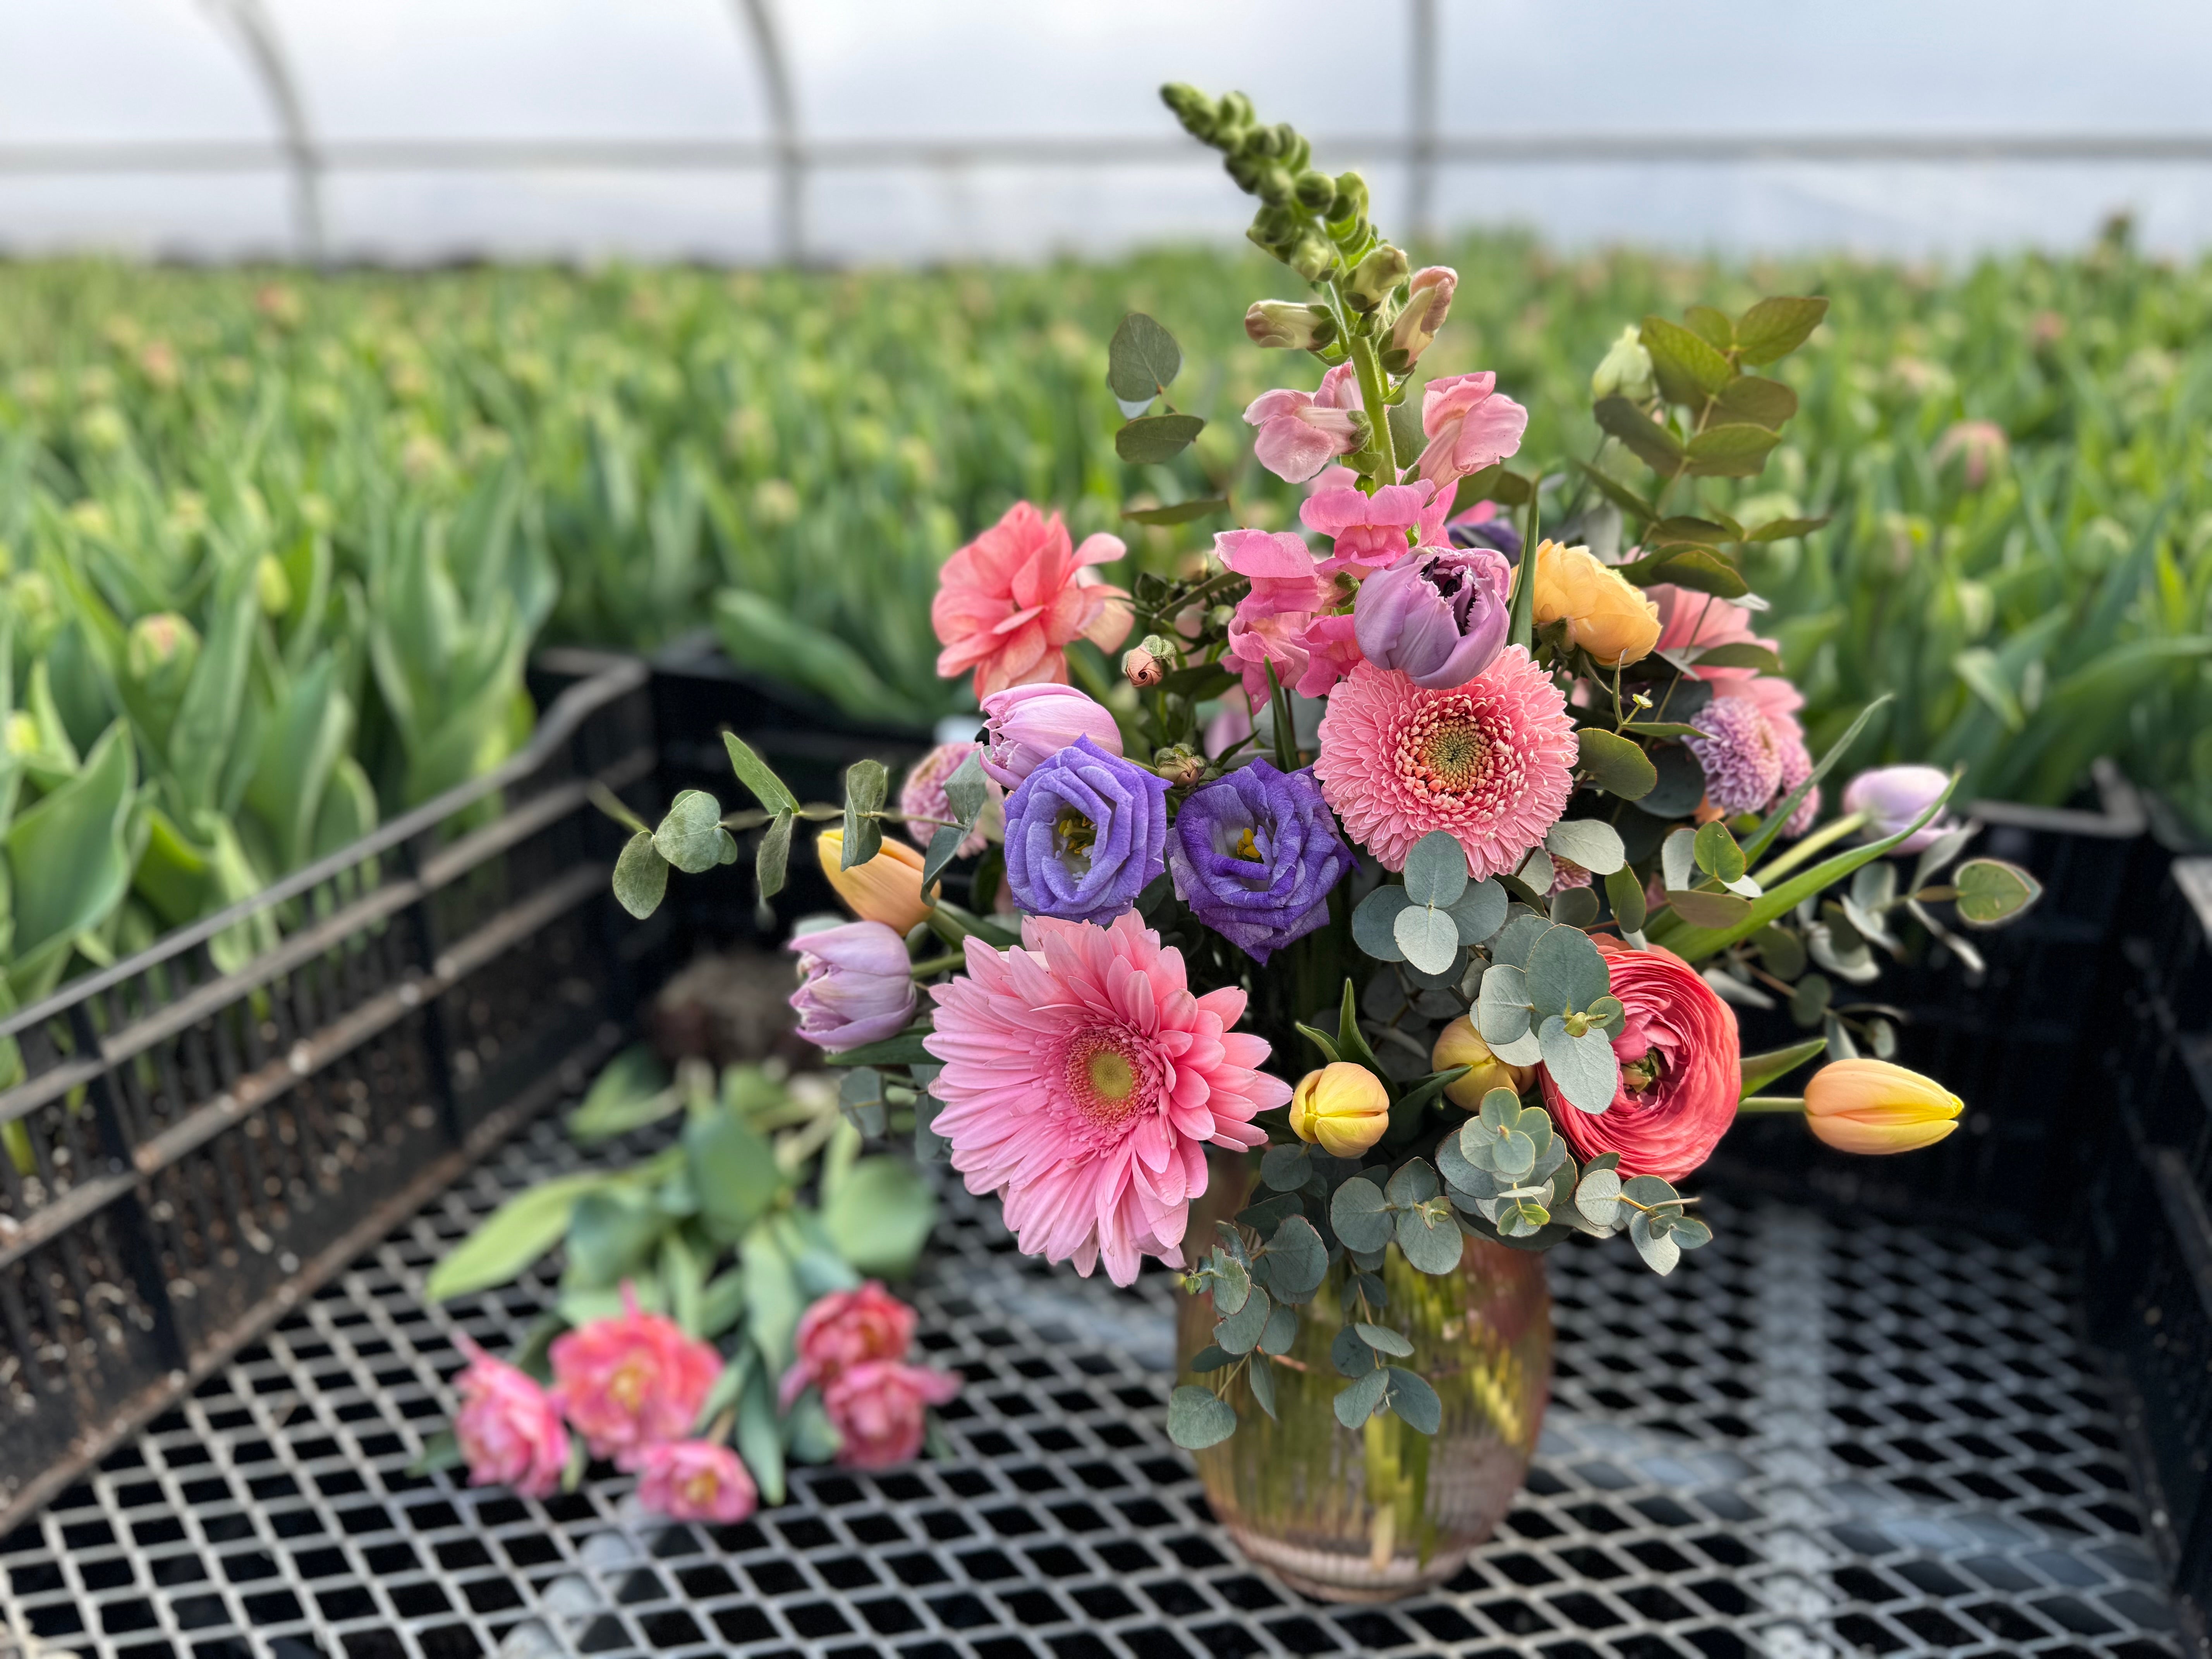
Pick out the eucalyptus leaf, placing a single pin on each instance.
(641, 875)
(1415, 1401)
(1296, 1259)
(1615, 765)
(1142, 358)
(1282, 1330)
(1430, 1238)
(1991, 892)
(1479, 912)
(1383, 1339)
(1583, 1068)
(1592, 842)
(1428, 938)
(1240, 1332)
(1197, 1418)
(1374, 923)
(1566, 972)
(690, 833)
(1356, 1403)
(1436, 870)
(1261, 1376)
(1358, 1214)
(1287, 1168)
(866, 783)
(1153, 438)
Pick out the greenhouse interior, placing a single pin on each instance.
(1040, 830)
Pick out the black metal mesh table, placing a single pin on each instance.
(1809, 1441)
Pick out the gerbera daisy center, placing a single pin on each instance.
(1452, 752)
(1104, 1079)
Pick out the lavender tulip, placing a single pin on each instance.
(1893, 796)
(1254, 856)
(1028, 724)
(1439, 614)
(857, 988)
(1085, 832)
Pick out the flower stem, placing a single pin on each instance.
(939, 965)
(1769, 1104)
(1369, 367)
(1849, 824)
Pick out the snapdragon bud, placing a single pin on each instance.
(1624, 371)
(1180, 764)
(1197, 112)
(1351, 202)
(1276, 186)
(1312, 258)
(1375, 277)
(1289, 324)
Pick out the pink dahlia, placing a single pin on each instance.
(1010, 601)
(1082, 1082)
(1490, 762)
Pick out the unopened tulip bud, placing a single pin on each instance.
(1180, 764)
(1286, 323)
(272, 586)
(157, 641)
(1342, 1107)
(1142, 668)
(886, 889)
(1375, 277)
(1891, 797)
(1461, 1044)
(1624, 371)
(1872, 1106)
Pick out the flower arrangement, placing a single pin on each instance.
(1419, 857)
(653, 1360)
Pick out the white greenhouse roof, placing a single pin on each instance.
(436, 129)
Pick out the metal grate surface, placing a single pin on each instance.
(1808, 1442)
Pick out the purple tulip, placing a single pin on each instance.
(1086, 833)
(1027, 725)
(857, 988)
(1254, 854)
(1893, 796)
(1439, 614)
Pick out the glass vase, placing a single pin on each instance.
(1382, 1512)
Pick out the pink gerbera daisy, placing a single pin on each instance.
(1083, 1083)
(1490, 762)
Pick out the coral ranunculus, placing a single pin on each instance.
(631, 1382)
(1605, 614)
(1010, 603)
(696, 1481)
(1084, 1082)
(1491, 762)
(1680, 1069)
(508, 1428)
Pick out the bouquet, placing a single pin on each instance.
(1421, 857)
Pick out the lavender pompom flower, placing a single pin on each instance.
(1086, 833)
(1254, 854)
(1741, 758)
(1438, 615)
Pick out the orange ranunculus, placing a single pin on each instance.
(1461, 1044)
(1605, 615)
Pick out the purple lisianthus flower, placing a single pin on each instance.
(1438, 614)
(1254, 856)
(1086, 833)
(1495, 533)
(857, 986)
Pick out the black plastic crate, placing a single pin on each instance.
(2016, 1043)
(205, 1131)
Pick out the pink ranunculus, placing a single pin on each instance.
(696, 1481)
(1371, 532)
(509, 1429)
(1027, 725)
(1301, 432)
(843, 1329)
(922, 798)
(1470, 425)
(858, 986)
(1010, 603)
(631, 1382)
(879, 1409)
(1285, 620)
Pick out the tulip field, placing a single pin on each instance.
(276, 546)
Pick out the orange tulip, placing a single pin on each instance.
(1461, 1044)
(1342, 1106)
(886, 889)
(1872, 1106)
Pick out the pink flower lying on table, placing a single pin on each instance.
(846, 1328)
(509, 1429)
(878, 1408)
(696, 1481)
(630, 1382)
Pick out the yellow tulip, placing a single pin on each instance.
(1461, 1044)
(1872, 1106)
(1343, 1106)
(1605, 614)
(886, 889)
